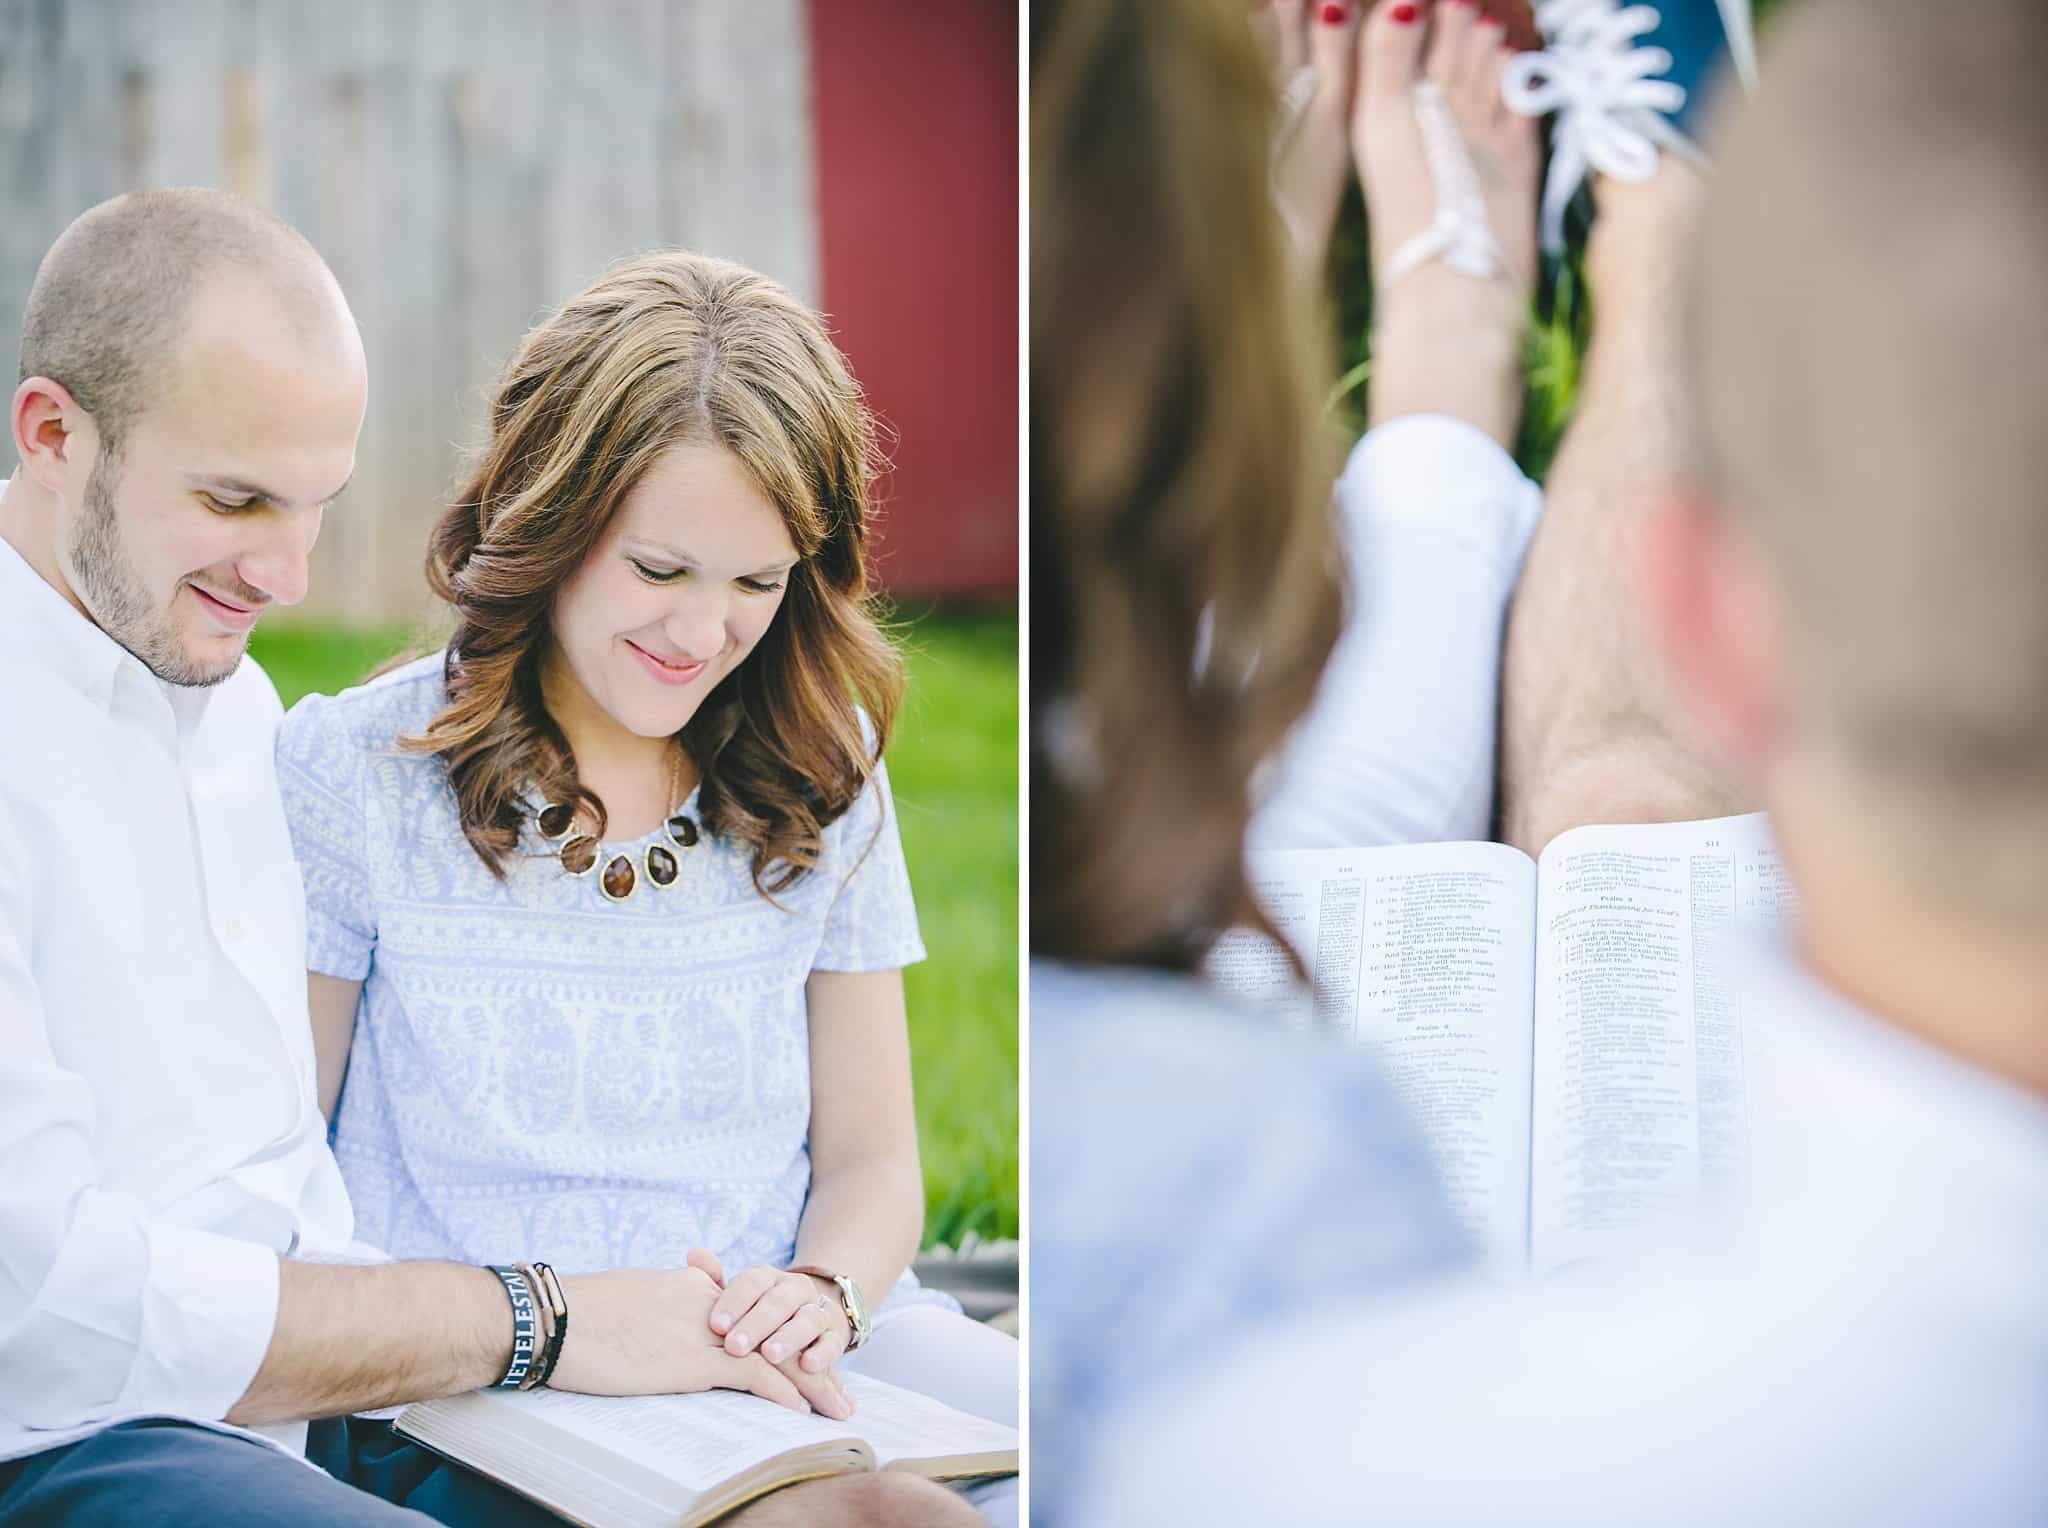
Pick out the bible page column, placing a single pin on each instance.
(1641, 1099)
(1316, 901)
(1424, 952)
(1615, 1133)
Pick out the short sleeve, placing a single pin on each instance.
(872, 925)
(320, 775)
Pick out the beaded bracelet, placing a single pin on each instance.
(524, 1324)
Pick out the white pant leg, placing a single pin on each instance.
(1399, 744)
(969, 1366)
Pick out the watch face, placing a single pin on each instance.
(856, 1306)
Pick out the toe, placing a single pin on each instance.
(1391, 51)
(1266, 32)
(1507, 127)
(1479, 70)
(1290, 34)
(1449, 32)
(1333, 47)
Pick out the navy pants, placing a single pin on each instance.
(174, 1474)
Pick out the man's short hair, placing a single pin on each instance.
(111, 297)
(1870, 354)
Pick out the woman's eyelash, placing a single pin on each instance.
(670, 575)
(223, 506)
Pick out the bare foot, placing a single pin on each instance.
(1445, 342)
(1312, 46)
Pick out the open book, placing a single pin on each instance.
(666, 1460)
(1564, 1029)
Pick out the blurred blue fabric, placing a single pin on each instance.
(1195, 1168)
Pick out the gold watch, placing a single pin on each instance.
(850, 1301)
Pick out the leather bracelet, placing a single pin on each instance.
(554, 1309)
(524, 1325)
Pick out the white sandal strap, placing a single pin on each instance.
(1294, 99)
(1294, 102)
(1460, 233)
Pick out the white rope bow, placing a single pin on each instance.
(1611, 108)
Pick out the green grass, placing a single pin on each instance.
(953, 767)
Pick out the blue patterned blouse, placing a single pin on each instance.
(537, 1071)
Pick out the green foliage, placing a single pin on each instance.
(953, 768)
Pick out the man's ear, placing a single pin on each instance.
(53, 436)
(1716, 610)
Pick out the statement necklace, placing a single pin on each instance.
(581, 853)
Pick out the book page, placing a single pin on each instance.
(1640, 1100)
(696, 1441)
(1422, 951)
(900, 1424)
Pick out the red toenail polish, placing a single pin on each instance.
(1403, 15)
(1334, 15)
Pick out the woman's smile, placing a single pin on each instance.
(668, 671)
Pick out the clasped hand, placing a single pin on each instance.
(651, 1331)
(788, 1318)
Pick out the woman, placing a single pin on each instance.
(608, 907)
(1212, 1180)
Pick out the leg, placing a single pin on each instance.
(966, 1365)
(1399, 746)
(945, 1355)
(173, 1474)
(1591, 730)
(374, 1459)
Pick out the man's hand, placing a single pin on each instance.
(649, 1331)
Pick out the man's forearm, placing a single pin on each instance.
(864, 1219)
(354, 1339)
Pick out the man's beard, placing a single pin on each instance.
(110, 588)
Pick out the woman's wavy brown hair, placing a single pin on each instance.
(1185, 589)
(665, 350)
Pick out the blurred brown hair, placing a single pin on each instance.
(1185, 586)
(662, 350)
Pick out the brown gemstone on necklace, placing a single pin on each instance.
(662, 865)
(557, 819)
(579, 854)
(618, 878)
(682, 831)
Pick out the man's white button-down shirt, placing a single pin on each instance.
(161, 1142)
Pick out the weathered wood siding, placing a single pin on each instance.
(462, 164)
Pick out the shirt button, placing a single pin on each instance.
(232, 928)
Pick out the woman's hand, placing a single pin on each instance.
(648, 1331)
(784, 1317)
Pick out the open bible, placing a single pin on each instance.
(669, 1460)
(1563, 1028)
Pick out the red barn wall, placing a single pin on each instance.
(914, 116)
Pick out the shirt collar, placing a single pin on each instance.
(40, 625)
(45, 628)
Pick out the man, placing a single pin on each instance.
(192, 386)
(1850, 600)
